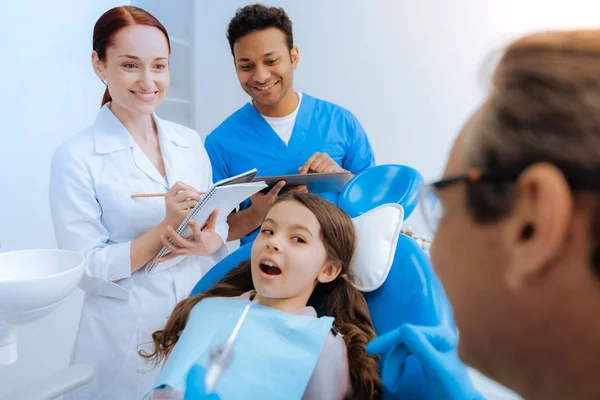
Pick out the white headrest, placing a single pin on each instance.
(376, 238)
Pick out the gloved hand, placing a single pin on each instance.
(435, 347)
(195, 389)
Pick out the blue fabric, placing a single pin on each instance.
(267, 341)
(435, 347)
(245, 140)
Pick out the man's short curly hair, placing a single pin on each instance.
(257, 17)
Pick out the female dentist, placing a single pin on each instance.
(128, 150)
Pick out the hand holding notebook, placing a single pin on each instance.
(223, 196)
(179, 200)
(203, 241)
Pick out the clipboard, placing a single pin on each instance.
(315, 182)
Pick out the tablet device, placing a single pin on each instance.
(315, 182)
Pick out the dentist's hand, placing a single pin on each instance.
(195, 389)
(435, 347)
(178, 202)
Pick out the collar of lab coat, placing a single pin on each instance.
(110, 134)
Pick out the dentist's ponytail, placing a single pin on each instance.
(106, 98)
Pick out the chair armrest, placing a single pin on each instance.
(55, 385)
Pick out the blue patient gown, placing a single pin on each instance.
(245, 140)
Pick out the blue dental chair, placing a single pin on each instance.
(379, 185)
(411, 293)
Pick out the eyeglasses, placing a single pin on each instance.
(579, 178)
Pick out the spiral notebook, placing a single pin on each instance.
(224, 196)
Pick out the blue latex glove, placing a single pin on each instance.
(195, 389)
(435, 347)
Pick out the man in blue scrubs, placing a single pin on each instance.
(280, 131)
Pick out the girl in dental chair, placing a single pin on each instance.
(298, 269)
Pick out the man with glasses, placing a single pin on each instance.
(517, 225)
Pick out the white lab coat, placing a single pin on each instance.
(92, 178)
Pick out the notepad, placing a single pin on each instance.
(224, 196)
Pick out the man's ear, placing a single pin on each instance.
(538, 223)
(294, 56)
(329, 272)
(98, 66)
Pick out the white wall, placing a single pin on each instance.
(49, 92)
(408, 69)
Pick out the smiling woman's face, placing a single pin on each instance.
(136, 69)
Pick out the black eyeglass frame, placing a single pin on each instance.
(579, 178)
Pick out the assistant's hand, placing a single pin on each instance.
(320, 162)
(202, 242)
(435, 347)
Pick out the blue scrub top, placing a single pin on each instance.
(245, 140)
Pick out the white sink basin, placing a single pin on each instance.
(35, 282)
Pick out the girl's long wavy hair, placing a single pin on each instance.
(339, 298)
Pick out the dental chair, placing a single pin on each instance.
(379, 185)
(411, 292)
